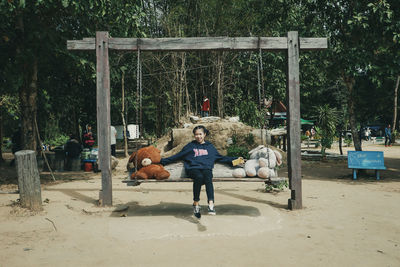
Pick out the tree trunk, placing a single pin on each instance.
(349, 82)
(122, 114)
(395, 104)
(28, 90)
(184, 84)
(175, 90)
(195, 101)
(1, 136)
(28, 97)
(340, 141)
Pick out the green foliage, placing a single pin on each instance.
(364, 41)
(238, 151)
(249, 114)
(56, 140)
(348, 141)
(327, 120)
(395, 135)
(249, 139)
(318, 132)
(53, 135)
(7, 144)
(282, 185)
(235, 139)
(241, 145)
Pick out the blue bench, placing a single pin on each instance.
(372, 160)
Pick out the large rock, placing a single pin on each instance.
(194, 119)
(278, 131)
(220, 134)
(209, 119)
(233, 119)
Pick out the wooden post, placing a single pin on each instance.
(293, 124)
(28, 180)
(103, 116)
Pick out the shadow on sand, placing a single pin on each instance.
(181, 211)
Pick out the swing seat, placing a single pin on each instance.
(221, 173)
(273, 181)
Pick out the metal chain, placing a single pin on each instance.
(138, 106)
(138, 82)
(141, 102)
(261, 74)
(259, 78)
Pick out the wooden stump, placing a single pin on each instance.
(28, 180)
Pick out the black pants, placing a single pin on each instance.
(113, 150)
(200, 177)
(388, 140)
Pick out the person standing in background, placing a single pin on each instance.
(113, 134)
(205, 107)
(88, 137)
(72, 150)
(312, 133)
(367, 134)
(388, 136)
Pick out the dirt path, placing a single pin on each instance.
(343, 223)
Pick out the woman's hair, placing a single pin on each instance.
(201, 127)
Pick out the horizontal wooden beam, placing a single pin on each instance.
(85, 44)
(275, 180)
(313, 43)
(199, 43)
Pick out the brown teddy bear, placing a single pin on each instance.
(148, 164)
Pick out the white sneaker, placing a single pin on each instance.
(211, 210)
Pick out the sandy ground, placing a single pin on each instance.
(343, 223)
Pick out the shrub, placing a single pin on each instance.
(235, 139)
(348, 141)
(249, 114)
(238, 151)
(249, 139)
(327, 121)
(304, 137)
(58, 140)
(279, 187)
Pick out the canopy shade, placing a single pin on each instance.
(302, 121)
(306, 122)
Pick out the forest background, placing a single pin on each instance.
(42, 82)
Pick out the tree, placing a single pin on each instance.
(36, 33)
(327, 120)
(358, 32)
(361, 65)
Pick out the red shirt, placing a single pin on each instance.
(206, 105)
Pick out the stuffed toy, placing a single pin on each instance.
(262, 163)
(148, 164)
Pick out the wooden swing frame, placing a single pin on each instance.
(292, 44)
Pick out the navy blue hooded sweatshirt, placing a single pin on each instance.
(198, 156)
